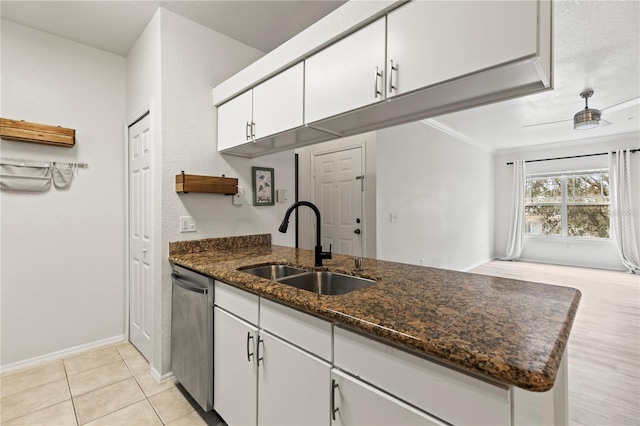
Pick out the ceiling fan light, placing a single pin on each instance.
(588, 118)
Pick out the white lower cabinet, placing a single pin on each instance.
(234, 369)
(432, 387)
(353, 402)
(274, 365)
(293, 386)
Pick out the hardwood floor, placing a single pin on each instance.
(604, 346)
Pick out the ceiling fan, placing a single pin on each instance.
(590, 118)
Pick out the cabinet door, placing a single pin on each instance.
(278, 103)
(343, 77)
(433, 41)
(360, 404)
(234, 369)
(293, 385)
(234, 121)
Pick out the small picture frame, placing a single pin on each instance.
(263, 180)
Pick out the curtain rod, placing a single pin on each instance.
(572, 156)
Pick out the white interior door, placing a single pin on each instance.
(140, 232)
(338, 189)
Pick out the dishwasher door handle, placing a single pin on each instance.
(187, 286)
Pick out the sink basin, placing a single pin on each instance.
(273, 272)
(327, 283)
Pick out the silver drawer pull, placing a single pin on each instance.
(392, 68)
(376, 92)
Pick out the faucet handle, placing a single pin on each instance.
(358, 264)
(327, 254)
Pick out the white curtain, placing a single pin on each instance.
(516, 224)
(622, 227)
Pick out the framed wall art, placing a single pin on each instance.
(263, 179)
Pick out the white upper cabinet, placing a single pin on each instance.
(278, 103)
(269, 108)
(347, 75)
(234, 121)
(430, 42)
(421, 60)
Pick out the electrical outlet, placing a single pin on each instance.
(187, 224)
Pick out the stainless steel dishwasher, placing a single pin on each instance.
(192, 334)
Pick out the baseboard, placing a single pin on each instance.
(61, 354)
(577, 264)
(160, 377)
(489, 259)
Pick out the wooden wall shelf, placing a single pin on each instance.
(23, 131)
(209, 184)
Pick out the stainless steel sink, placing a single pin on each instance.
(273, 272)
(327, 283)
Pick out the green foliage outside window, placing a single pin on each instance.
(570, 204)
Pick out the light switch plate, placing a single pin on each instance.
(187, 224)
(281, 196)
(238, 197)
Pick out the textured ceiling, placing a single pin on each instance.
(596, 46)
(114, 26)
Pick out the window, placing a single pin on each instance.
(571, 204)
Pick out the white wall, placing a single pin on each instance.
(307, 234)
(566, 251)
(194, 59)
(62, 251)
(442, 191)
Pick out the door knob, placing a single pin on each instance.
(144, 250)
(357, 231)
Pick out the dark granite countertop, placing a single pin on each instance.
(512, 331)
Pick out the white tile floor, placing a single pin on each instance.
(106, 386)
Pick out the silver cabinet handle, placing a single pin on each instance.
(334, 409)
(246, 131)
(258, 349)
(376, 92)
(253, 129)
(249, 354)
(392, 68)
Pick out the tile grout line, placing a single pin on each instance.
(41, 408)
(73, 402)
(153, 407)
(130, 372)
(29, 368)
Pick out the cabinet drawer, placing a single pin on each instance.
(357, 403)
(303, 330)
(238, 302)
(431, 387)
